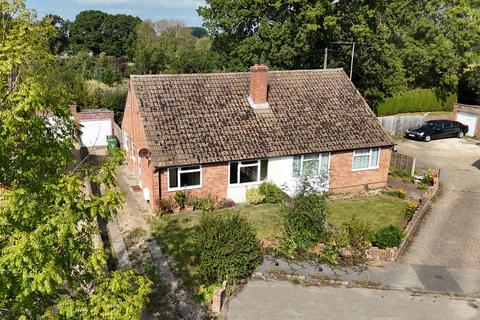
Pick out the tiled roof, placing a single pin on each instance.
(205, 118)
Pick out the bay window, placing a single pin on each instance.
(313, 165)
(248, 171)
(364, 159)
(184, 177)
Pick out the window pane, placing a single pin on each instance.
(189, 179)
(360, 162)
(189, 168)
(374, 159)
(172, 178)
(324, 165)
(312, 156)
(310, 167)
(249, 162)
(263, 170)
(248, 174)
(362, 152)
(297, 166)
(233, 172)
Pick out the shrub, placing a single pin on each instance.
(358, 236)
(202, 203)
(226, 248)
(181, 198)
(388, 237)
(410, 210)
(428, 177)
(272, 193)
(254, 196)
(305, 217)
(416, 100)
(394, 172)
(469, 87)
(225, 203)
(422, 186)
(397, 193)
(166, 205)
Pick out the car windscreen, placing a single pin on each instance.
(427, 125)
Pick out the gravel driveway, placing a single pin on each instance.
(449, 234)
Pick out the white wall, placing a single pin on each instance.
(280, 172)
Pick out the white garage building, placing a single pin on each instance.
(470, 116)
(95, 126)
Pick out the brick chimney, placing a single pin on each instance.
(258, 86)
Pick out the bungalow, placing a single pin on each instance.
(218, 134)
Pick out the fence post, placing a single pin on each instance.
(414, 161)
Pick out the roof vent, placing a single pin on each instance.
(258, 87)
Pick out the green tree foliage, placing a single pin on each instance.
(48, 263)
(283, 34)
(469, 87)
(97, 31)
(174, 50)
(58, 43)
(400, 44)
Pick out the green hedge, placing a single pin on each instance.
(416, 100)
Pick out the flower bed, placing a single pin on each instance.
(390, 254)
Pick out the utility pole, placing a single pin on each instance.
(351, 63)
(353, 53)
(325, 57)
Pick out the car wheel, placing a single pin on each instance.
(460, 134)
(427, 138)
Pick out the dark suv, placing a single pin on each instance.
(436, 129)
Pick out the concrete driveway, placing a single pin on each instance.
(449, 234)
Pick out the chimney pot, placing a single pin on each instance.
(259, 86)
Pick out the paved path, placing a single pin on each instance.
(284, 300)
(132, 217)
(449, 234)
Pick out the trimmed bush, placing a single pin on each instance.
(388, 237)
(227, 248)
(254, 196)
(416, 100)
(272, 193)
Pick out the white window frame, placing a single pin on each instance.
(125, 140)
(132, 152)
(179, 171)
(258, 164)
(370, 151)
(302, 157)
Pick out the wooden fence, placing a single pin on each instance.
(403, 163)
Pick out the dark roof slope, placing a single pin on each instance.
(205, 118)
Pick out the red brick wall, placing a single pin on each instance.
(259, 83)
(132, 125)
(214, 182)
(344, 179)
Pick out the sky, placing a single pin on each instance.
(184, 10)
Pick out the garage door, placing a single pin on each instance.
(95, 132)
(470, 120)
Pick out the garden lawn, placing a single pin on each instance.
(175, 232)
(377, 212)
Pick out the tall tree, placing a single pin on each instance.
(59, 43)
(48, 264)
(87, 31)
